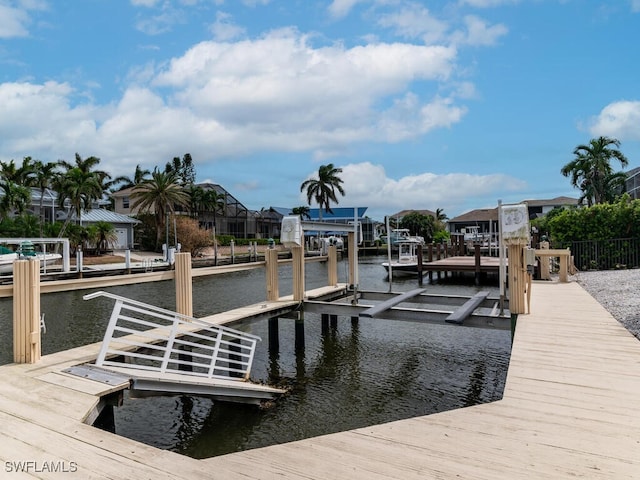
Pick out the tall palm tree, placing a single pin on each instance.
(15, 182)
(323, 189)
(159, 195)
(303, 211)
(591, 171)
(44, 178)
(139, 176)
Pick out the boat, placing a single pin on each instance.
(407, 260)
(401, 235)
(25, 251)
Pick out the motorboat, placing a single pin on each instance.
(407, 259)
(401, 235)
(26, 251)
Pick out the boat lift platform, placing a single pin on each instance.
(480, 310)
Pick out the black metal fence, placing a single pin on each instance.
(605, 254)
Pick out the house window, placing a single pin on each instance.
(125, 202)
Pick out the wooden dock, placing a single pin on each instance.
(569, 410)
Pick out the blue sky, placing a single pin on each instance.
(424, 105)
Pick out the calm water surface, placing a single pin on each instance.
(353, 376)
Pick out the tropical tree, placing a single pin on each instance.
(419, 224)
(159, 195)
(591, 171)
(139, 176)
(303, 211)
(44, 177)
(15, 198)
(323, 189)
(183, 169)
(105, 236)
(81, 185)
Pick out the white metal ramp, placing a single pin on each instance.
(165, 352)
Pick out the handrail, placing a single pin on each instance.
(146, 337)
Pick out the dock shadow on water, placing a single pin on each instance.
(351, 375)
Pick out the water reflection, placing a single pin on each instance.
(346, 375)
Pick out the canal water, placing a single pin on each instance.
(352, 376)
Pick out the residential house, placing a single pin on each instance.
(632, 184)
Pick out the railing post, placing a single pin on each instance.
(27, 347)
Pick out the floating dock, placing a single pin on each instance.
(568, 411)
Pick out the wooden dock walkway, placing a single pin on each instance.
(569, 410)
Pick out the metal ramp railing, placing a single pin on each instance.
(144, 337)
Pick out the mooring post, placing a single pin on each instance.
(299, 331)
(324, 323)
(420, 265)
(27, 346)
(430, 259)
(334, 321)
(297, 253)
(517, 281)
(332, 265)
(271, 260)
(274, 335)
(184, 288)
(184, 299)
(476, 254)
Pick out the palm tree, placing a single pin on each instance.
(44, 176)
(139, 176)
(323, 189)
(159, 195)
(81, 185)
(440, 215)
(105, 236)
(591, 170)
(303, 211)
(15, 198)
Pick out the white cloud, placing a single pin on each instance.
(13, 22)
(619, 120)
(163, 22)
(415, 21)
(478, 32)
(224, 28)
(635, 5)
(226, 100)
(341, 8)
(369, 185)
(488, 3)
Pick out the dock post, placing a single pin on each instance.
(27, 346)
(476, 254)
(271, 260)
(184, 299)
(274, 336)
(297, 253)
(430, 259)
(184, 289)
(517, 282)
(324, 323)
(353, 258)
(332, 265)
(334, 321)
(420, 265)
(299, 331)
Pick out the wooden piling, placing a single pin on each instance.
(332, 265)
(517, 278)
(353, 258)
(27, 346)
(184, 284)
(271, 260)
(297, 253)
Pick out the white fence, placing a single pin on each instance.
(145, 337)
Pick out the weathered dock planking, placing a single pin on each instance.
(568, 411)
